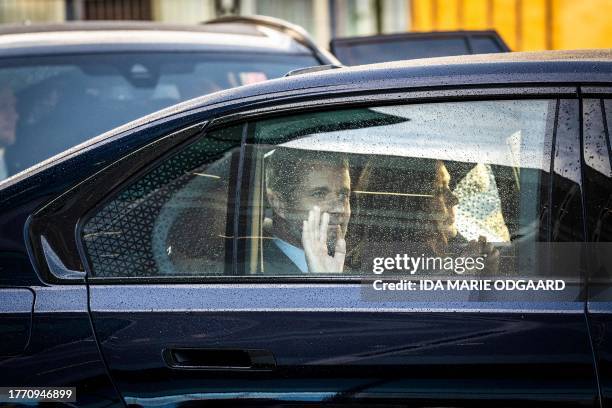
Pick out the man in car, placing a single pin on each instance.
(308, 193)
(8, 124)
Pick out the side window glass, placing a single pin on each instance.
(399, 49)
(484, 45)
(597, 114)
(598, 171)
(172, 220)
(323, 194)
(329, 191)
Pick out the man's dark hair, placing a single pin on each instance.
(285, 167)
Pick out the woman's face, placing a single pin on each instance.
(444, 203)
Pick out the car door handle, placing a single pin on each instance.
(219, 359)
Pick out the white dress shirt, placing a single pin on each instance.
(297, 255)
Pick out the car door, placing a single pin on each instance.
(597, 121)
(46, 338)
(208, 282)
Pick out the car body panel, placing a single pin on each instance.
(336, 349)
(62, 351)
(331, 347)
(338, 353)
(15, 317)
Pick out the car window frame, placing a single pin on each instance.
(71, 206)
(595, 306)
(166, 148)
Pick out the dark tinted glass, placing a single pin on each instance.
(399, 49)
(598, 171)
(54, 103)
(172, 221)
(566, 215)
(427, 180)
(463, 186)
(598, 189)
(484, 45)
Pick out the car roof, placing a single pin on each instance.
(108, 36)
(564, 68)
(543, 67)
(553, 68)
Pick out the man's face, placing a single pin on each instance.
(8, 117)
(444, 203)
(325, 186)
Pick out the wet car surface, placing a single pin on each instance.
(159, 264)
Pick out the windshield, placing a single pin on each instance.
(49, 104)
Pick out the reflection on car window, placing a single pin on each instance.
(597, 114)
(440, 179)
(322, 193)
(173, 220)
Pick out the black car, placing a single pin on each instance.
(392, 47)
(327, 239)
(61, 84)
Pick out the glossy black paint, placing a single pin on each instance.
(367, 342)
(358, 357)
(341, 349)
(62, 350)
(329, 345)
(15, 319)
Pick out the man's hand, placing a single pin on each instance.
(314, 242)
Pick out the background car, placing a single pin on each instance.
(138, 269)
(70, 82)
(392, 47)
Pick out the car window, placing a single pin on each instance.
(172, 221)
(368, 52)
(427, 179)
(430, 180)
(598, 170)
(59, 102)
(598, 189)
(484, 45)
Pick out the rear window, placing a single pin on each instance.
(372, 52)
(484, 45)
(358, 51)
(57, 102)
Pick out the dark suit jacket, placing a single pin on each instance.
(275, 262)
